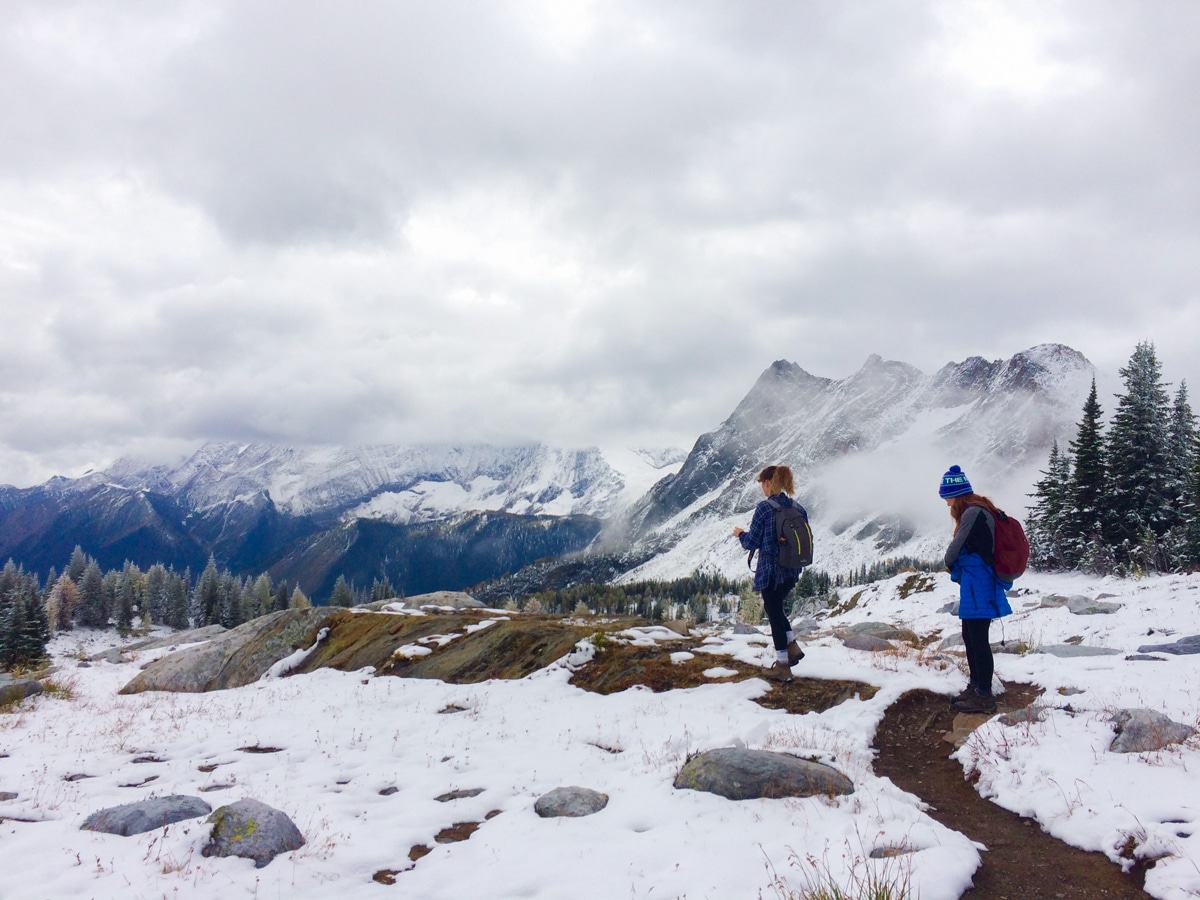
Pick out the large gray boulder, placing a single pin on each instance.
(1182, 647)
(868, 642)
(237, 657)
(740, 774)
(145, 815)
(1085, 606)
(1145, 731)
(13, 690)
(571, 802)
(1070, 651)
(252, 830)
(880, 630)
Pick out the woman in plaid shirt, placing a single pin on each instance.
(771, 579)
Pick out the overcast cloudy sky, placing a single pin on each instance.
(566, 221)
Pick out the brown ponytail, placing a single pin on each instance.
(779, 478)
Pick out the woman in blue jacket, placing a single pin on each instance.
(981, 594)
(771, 579)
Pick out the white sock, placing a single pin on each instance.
(791, 635)
(781, 656)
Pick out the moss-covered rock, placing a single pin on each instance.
(252, 830)
(739, 774)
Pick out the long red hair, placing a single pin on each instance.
(959, 505)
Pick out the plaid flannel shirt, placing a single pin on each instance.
(761, 537)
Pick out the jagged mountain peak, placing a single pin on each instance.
(863, 448)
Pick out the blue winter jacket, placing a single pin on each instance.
(981, 593)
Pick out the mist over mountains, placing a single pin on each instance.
(867, 451)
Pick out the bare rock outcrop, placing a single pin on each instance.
(232, 659)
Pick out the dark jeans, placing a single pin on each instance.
(979, 653)
(773, 598)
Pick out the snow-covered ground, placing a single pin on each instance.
(345, 737)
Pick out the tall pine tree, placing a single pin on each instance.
(1089, 482)
(1139, 470)
(1050, 520)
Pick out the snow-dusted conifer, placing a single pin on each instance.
(206, 599)
(1089, 481)
(77, 565)
(299, 600)
(127, 600)
(259, 598)
(343, 594)
(1137, 447)
(1051, 535)
(177, 601)
(91, 611)
(156, 594)
(231, 593)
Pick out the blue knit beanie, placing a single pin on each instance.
(954, 484)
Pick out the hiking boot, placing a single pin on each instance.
(975, 703)
(779, 672)
(795, 654)
(965, 694)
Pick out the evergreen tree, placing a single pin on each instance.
(177, 602)
(66, 603)
(127, 600)
(206, 600)
(77, 565)
(1089, 519)
(1181, 455)
(281, 597)
(259, 599)
(382, 590)
(157, 595)
(1050, 521)
(36, 633)
(24, 627)
(298, 600)
(343, 594)
(232, 591)
(92, 612)
(110, 589)
(1192, 525)
(1137, 447)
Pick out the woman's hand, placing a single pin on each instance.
(738, 532)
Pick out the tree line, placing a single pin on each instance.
(130, 600)
(696, 598)
(1123, 499)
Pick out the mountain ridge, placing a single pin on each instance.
(864, 448)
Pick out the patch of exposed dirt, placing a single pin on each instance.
(620, 666)
(509, 648)
(1021, 861)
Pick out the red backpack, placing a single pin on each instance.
(1010, 555)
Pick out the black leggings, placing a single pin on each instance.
(979, 653)
(773, 598)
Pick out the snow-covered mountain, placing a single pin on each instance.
(426, 517)
(403, 484)
(868, 452)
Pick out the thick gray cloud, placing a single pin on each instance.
(565, 220)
